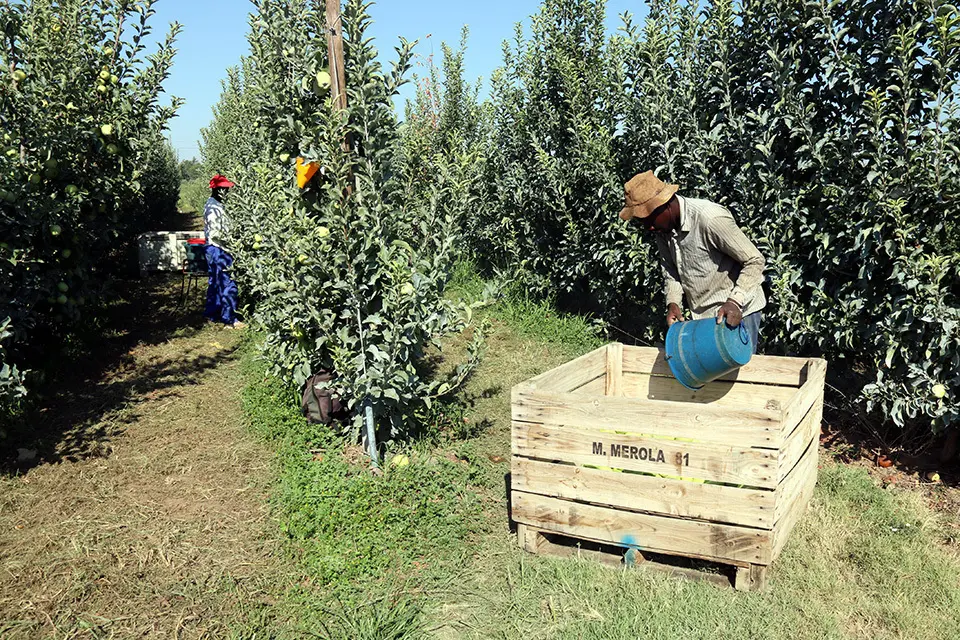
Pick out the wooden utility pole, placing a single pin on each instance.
(338, 94)
(338, 81)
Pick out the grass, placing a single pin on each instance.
(426, 550)
(528, 318)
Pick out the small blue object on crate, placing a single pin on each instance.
(700, 351)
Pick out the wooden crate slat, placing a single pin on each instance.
(660, 534)
(776, 370)
(719, 503)
(572, 374)
(703, 461)
(790, 490)
(797, 442)
(704, 423)
(724, 394)
(806, 397)
(785, 526)
(614, 370)
(596, 387)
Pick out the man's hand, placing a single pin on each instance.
(731, 312)
(674, 314)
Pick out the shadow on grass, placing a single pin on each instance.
(98, 386)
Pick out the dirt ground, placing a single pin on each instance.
(135, 505)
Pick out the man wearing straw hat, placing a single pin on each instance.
(704, 254)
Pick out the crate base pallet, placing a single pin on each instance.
(546, 543)
(610, 450)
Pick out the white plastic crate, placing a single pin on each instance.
(163, 250)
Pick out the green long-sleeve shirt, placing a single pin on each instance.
(710, 260)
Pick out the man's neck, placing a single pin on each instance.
(682, 215)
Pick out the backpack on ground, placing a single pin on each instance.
(319, 406)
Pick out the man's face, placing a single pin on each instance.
(662, 220)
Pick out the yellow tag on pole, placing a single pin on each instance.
(305, 172)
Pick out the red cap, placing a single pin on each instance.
(220, 181)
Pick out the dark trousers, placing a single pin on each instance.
(221, 289)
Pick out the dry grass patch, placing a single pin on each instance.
(145, 514)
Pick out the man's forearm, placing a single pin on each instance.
(751, 275)
(673, 292)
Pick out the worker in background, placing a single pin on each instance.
(704, 254)
(222, 290)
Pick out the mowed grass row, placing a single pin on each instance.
(425, 550)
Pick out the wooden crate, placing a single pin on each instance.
(611, 449)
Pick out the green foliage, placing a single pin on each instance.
(83, 161)
(193, 194)
(552, 176)
(441, 133)
(11, 378)
(354, 527)
(347, 274)
(191, 170)
(829, 130)
(160, 183)
(530, 318)
(539, 320)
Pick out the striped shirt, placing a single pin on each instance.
(215, 222)
(710, 260)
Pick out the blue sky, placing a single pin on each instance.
(214, 38)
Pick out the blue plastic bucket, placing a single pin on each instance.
(700, 351)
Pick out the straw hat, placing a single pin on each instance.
(644, 193)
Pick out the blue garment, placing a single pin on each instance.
(752, 324)
(221, 289)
